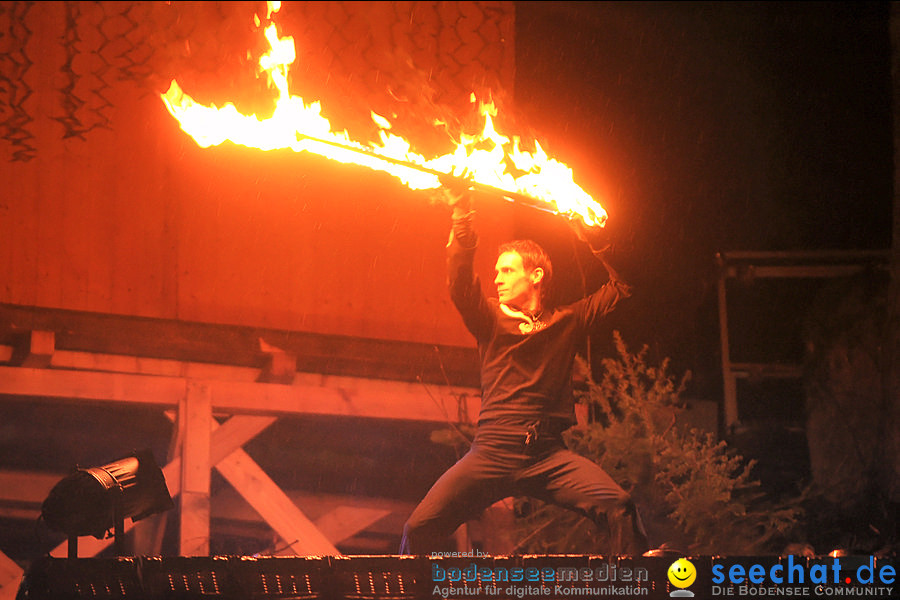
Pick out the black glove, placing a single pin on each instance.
(598, 238)
(457, 194)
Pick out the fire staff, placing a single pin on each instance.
(527, 353)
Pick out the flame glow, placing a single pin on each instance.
(541, 180)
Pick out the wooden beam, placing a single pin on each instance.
(194, 423)
(22, 514)
(338, 517)
(280, 366)
(766, 370)
(346, 521)
(36, 350)
(348, 396)
(83, 385)
(793, 271)
(276, 509)
(26, 486)
(145, 365)
(806, 255)
(226, 438)
(308, 394)
(229, 506)
(10, 577)
(219, 344)
(730, 405)
(282, 515)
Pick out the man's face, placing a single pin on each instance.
(515, 285)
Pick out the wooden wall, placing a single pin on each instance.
(108, 207)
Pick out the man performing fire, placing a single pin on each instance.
(527, 353)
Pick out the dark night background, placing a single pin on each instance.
(708, 127)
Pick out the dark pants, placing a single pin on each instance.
(505, 462)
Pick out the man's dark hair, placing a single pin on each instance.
(532, 256)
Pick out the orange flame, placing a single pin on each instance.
(544, 181)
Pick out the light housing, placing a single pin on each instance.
(94, 500)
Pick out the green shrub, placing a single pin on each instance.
(694, 493)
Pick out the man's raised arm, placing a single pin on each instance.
(599, 241)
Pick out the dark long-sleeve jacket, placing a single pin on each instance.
(526, 364)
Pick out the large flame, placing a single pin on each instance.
(540, 180)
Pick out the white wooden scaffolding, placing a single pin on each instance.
(216, 410)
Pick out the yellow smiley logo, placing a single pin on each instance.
(682, 573)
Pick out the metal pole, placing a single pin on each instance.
(475, 185)
(728, 380)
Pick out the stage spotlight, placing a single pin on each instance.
(93, 501)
